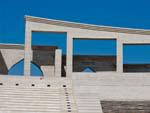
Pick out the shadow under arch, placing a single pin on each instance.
(18, 69)
(88, 69)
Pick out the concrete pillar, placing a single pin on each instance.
(69, 56)
(58, 62)
(28, 50)
(119, 56)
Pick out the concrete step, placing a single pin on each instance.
(30, 100)
(57, 98)
(88, 104)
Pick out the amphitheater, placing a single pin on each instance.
(112, 87)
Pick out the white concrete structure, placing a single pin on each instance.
(78, 92)
(58, 55)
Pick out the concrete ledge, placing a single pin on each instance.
(12, 46)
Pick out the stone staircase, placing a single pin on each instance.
(87, 98)
(32, 99)
(87, 104)
(68, 101)
(29, 100)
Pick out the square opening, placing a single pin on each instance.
(136, 58)
(94, 55)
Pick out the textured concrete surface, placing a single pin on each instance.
(86, 93)
(58, 62)
(125, 106)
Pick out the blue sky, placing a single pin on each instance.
(119, 13)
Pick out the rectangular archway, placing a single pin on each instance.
(94, 55)
(136, 58)
(44, 45)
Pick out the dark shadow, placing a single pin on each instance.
(3, 66)
(136, 68)
(98, 63)
(125, 106)
(63, 71)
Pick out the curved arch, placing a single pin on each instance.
(35, 69)
(18, 69)
(88, 69)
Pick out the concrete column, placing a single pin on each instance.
(119, 56)
(28, 50)
(58, 61)
(69, 56)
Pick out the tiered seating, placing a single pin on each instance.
(29, 100)
(35, 95)
(86, 104)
